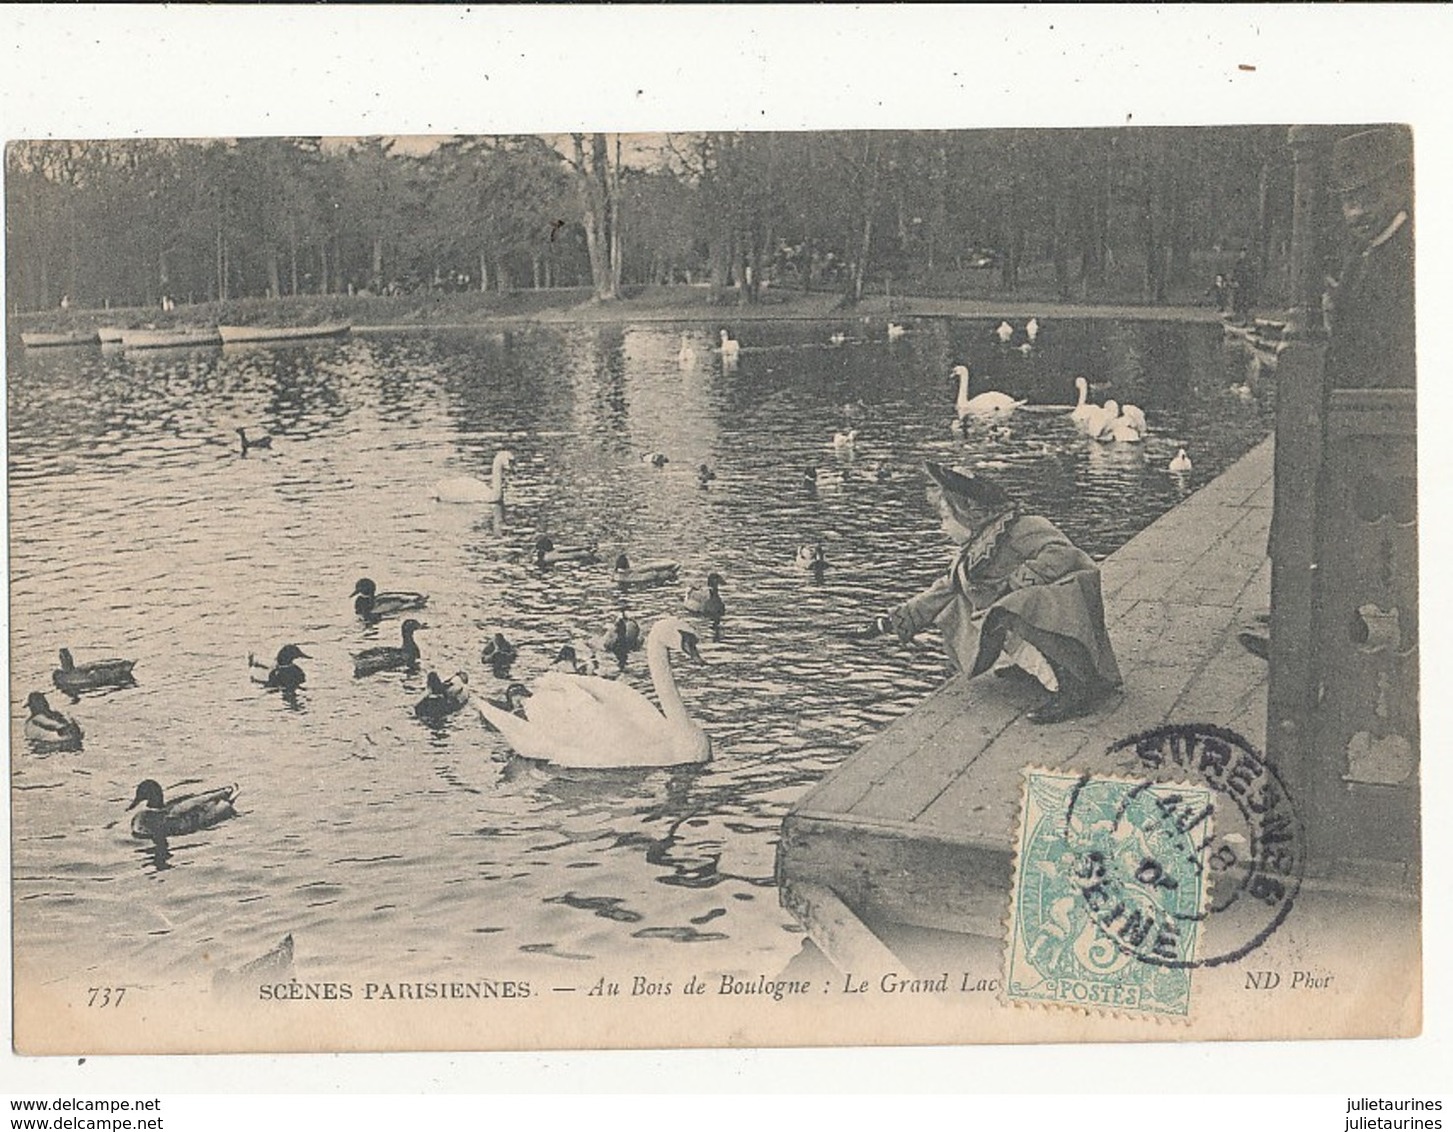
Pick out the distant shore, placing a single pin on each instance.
(684, 304)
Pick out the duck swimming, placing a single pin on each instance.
(48, 728)
(811, 559)
(623, 638)
(284, 674)
(704, 475)
(513, 701)
(646, 574)
(499, 654)
(548, 554)
(445, 696)
(1180, 462)
(368, 602)
(587, 722)
(707, 601)
(388, 658)
(187, 814)
(259, 442)
(655, 459)
(72, 677)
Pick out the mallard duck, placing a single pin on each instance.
(990, 405)
(655, 459)
(180, 816)
(578, 658)
(730, 347)
(623, 638)
(284, 674)
(706, 600)
(645, 574)
(368, 602)
(388, 658)
(467, 489)
(72, 677)
(811, 559)
(548, 554)
(445, 697)
(256, 442)
(47, 727)
(513, 700)
(499, 654)
(1180, 462)
(584, 721)
(704, 475)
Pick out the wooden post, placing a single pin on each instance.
(1300, 425)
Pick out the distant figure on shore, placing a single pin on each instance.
(1017, 588)
(1241, 282)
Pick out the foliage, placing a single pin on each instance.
(120, 223)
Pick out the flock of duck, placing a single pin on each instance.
(577, 714)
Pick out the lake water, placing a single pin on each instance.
(381, 844)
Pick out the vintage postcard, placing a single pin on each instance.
(714, 588)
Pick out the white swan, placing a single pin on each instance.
(845, 439)
(1031, 328)
(989, 405)
(1180, 462)
(467, 489)
(1083, 412)
(587, 721)
(1100, 420)
(686, 356)
(1128, 427)
(896, 331)
(1004, 332)
(730, 347)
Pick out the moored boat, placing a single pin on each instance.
(231, 334)
(109, 335)
(170, 336)
(35, 338)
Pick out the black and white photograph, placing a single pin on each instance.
(621, 588)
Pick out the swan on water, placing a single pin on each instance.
(730, 347)
(989, 404)
(586, 721)
(1180, 462)
(467, 489)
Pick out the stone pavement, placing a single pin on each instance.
(916, 828)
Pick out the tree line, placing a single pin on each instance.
(126, 223)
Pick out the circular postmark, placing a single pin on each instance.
(1159, 864)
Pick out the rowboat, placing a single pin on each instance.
(35, 338)
(232, 334)
(171, 336)
(109, 335)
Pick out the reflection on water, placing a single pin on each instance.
(381, 841)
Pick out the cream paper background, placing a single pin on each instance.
(197, 71)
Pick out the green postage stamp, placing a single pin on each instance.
(1109, 894)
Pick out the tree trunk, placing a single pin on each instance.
(592, 182)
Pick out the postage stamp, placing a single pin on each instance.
(1109, 894)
